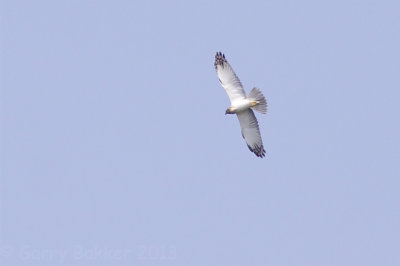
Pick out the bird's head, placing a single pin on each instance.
(229, 111)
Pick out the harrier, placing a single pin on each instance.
(241, 105)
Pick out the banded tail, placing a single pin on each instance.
(256, 95)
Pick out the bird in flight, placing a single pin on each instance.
(241, 105)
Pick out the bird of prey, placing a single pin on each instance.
(241, 105)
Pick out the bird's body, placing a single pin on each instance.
(241, 105)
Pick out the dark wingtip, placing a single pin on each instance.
(219, 55)
(219, 59)
(257, 150)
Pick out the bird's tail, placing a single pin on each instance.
(256, 95)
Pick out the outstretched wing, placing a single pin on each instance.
(251, 132)
(228, 78)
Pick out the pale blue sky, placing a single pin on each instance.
(115, 149)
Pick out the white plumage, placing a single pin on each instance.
(241, 105)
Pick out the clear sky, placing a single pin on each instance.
(116, 150)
